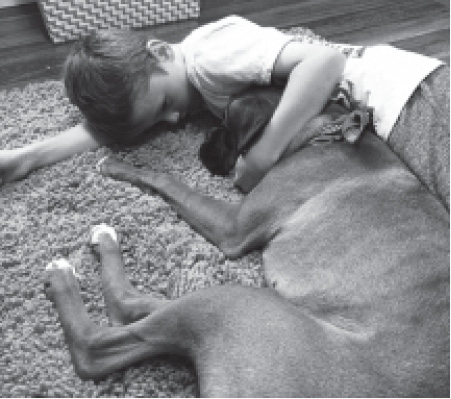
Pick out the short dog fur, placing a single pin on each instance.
(356, 256)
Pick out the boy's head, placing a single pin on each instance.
(107, 76)
(103, 75)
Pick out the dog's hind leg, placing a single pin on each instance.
(125, 304)
(97, 351)
(244, 342)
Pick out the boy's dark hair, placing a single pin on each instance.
(103, 75)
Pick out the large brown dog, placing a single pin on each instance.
(356, 255)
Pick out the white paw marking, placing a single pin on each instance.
(102, 228)
(99, 164)
(61, 264)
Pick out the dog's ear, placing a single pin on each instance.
(217, 153)
(245, 117)
(248, 113)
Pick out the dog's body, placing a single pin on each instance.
(356, 255)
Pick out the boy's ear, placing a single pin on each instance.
(160, 50)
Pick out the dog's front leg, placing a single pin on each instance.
(216, 220)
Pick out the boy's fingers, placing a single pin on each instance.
(246, 177)
(239, 167)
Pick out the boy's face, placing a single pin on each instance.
(170, 97)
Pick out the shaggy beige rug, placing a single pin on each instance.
(49, 215)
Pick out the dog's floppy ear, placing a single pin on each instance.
(218, 152)
(245, 117)
(248, 113)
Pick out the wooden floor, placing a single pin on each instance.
(27, 54)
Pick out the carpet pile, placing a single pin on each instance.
(49, 214)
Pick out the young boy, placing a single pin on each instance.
(124, 85)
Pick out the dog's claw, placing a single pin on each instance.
(61, 264)
(99, 229)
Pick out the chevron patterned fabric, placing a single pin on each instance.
(69, 19)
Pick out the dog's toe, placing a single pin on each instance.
(59, 264)
(100, 229)
(58, 273)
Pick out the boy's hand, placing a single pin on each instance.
(13, 165)
(247, 174)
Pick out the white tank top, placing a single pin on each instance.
(387, 76)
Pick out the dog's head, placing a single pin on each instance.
(245, 117)
(218, 153)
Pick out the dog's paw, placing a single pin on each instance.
(60, 264)
(100, 229)
(58, 273)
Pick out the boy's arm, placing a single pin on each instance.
(313, 71)
(17, 163)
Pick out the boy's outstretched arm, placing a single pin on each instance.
(312, 71)
(17, 163)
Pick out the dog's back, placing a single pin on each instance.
(356, 255)
(364, 249)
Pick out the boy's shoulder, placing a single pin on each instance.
(224, 27)
(229, 20)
